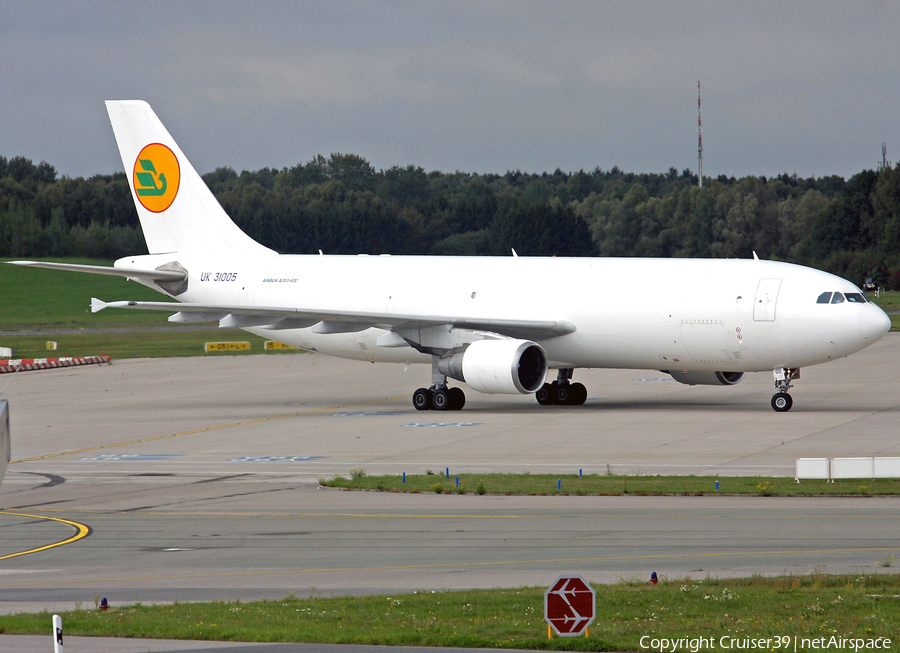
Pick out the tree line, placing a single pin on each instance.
(342, 205)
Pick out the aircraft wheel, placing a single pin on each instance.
(440, 399)
(457, 398)
(782, 402)
(563, 395)
(577, 394)
(543, 395)
(422, 399)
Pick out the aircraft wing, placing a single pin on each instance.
(336, 321)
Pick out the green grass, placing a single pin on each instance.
(810, 606)
(135, 345)
(612, 485)
(49, 300)
(889, 300)
(53, 302)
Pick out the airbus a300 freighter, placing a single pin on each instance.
(497, 324)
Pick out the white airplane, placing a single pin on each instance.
(496, 324)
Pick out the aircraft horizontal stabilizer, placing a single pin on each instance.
(362, 320)
(130, 273)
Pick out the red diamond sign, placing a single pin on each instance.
(570, 605)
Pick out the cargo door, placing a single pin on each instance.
(705, 341)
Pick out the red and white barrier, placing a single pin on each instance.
(28, 364)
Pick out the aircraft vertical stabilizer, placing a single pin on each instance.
(178, 213)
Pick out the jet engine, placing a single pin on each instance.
(498, 366)
(707, 378)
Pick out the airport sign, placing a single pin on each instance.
(570, 605)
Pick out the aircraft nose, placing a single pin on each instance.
(873, 323)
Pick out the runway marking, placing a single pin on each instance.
(273, 459)
(500, 563)
(371, 413)
(81, 532)
(206, 429)
(129, 457)
(421, 425)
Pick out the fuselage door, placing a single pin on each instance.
(766, 298)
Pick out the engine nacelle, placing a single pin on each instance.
(707, 378)
(498, 366)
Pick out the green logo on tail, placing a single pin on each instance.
(148, 180)
(156, 177)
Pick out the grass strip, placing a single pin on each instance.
(47, 300)
(143, 344)
(806, 607)
(610, 485)
(53, 303)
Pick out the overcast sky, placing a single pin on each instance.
(811, 88)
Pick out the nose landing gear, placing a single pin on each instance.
(781, 400)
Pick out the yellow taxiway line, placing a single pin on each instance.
(81, 532)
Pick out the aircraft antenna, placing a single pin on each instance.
(699, 139)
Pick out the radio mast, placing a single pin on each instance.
(699, 139)
(884, 162)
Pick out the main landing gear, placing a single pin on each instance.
(438, 396)
(781, 400)
(562, 392)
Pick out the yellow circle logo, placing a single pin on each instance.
(157, 175)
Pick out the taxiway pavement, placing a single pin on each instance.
(192, 479)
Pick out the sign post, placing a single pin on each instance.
(57, 634)
(570, 606)
(5, 448)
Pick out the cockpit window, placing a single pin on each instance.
(840, 298)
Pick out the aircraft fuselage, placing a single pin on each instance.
(698, 314)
